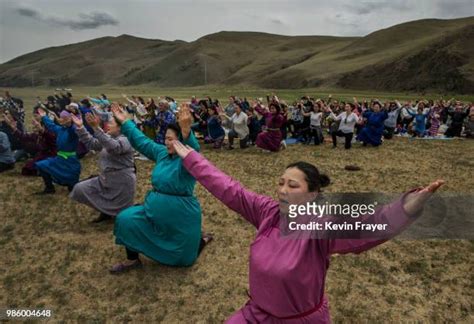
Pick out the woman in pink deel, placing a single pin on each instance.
(287, 276)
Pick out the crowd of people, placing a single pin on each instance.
(167, 226)
(268, 125)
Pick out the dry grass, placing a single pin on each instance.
(53, 258)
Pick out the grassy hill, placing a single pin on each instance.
(432, 54)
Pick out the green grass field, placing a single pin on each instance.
(52, 257)
(184, 94)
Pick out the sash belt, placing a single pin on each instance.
(66, 155)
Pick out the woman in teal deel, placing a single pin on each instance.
(167, 227)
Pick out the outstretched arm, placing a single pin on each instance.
(116, 146)
(137, 139)
(141, 142)
(398, 215)
(87, 139)
(48, 123)
(84, 136)
(253, 207)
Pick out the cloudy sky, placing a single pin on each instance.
(29, 25)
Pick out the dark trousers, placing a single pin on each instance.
(348, 137)
(388, 132)
(316, 133)
(243, 141)
(6, 166)
(131, 255)
(454, 130)
(47, 179)
(406, 122)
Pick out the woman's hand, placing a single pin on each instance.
(37, 126)
(184, 117)
(77, 121)
(93, 120)
(181, 149)
(119, 113)
(415, 201)
(10, 122)
(185, 120)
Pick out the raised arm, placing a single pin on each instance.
(50, 125)
(137, 139)
(88, 140)
(392, 214)
(116, 146)
(141, 142)
(333, 116)
(84, 136)
(260, 110)
(398, 215)
(253, 207)
(399, 105)
(133, 103)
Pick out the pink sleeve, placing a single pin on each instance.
(253, 207)
(392, 214)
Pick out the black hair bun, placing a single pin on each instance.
(324, 180)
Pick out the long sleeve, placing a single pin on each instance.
(115, 146)
(25, 137)
(49, 124)
(253, 207)
(141, 142)
(192, 141)
(4, 143)
(88, 140)
(260, 110)
(355, 117)
(133, 103)
(104, 102)
(392, 214)
(336, 118)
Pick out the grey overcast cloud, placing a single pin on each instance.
(26, 26)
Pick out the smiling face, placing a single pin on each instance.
(293, 189)
(347, 108)
(170, 136)
(272, 109)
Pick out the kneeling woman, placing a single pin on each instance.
(41, 144)
(287, 276)
(271, 138)
(114, 189)
(167, 227)
(65, 168)
(373, 129)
